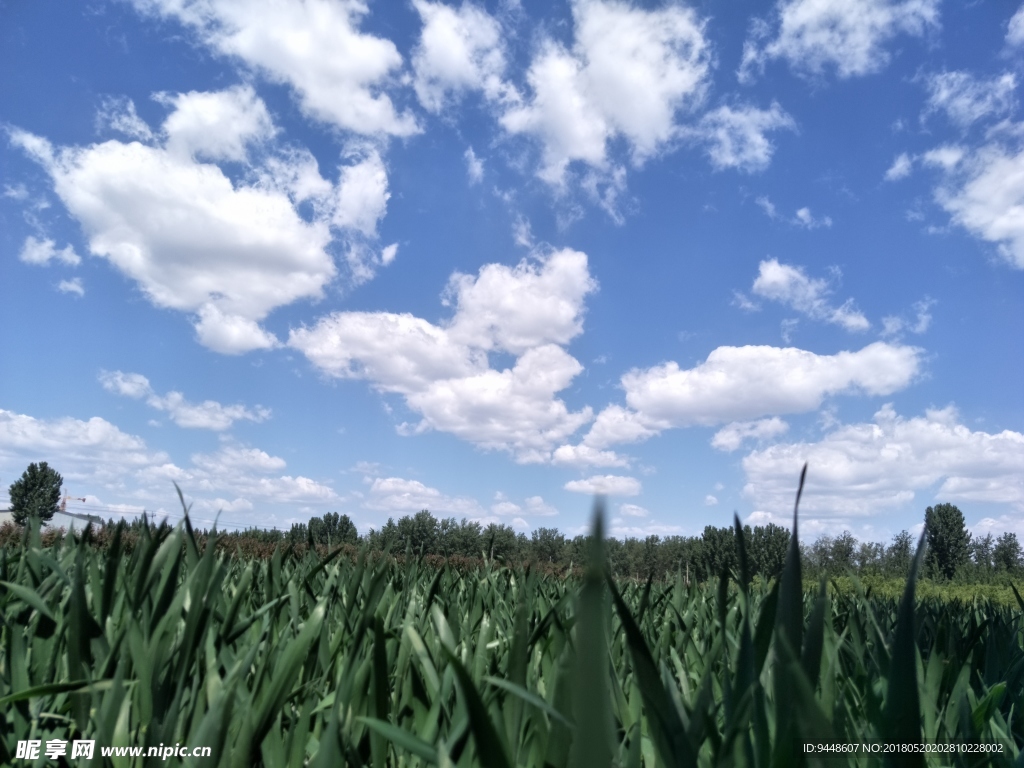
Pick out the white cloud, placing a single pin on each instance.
(616, 424)
(227, 252)
(632, 510)
(866, 469)
(767, 206)
(736, 138)
(710, 501)
(133, 385)
(983, 191)
(747, 382)
(94, 449)
(946, 157)
(608, 485)
(94, 454)
(118, 114)
(474, 167)
(42, 252)
(235, 458)
(804, 218)
(792, 287)
(732, 436)
(629, 73)
(998, 526)
(442, 371)
(893, 325)
(585, 456)
(74, 285)
(315, 46)
(900, 168)
(362, 195)
(744, 383)
(219, 125)
(517, 309)
(208, 414)
(966, 99)
(398, 495)
(535, 507)
(16, 191)
(460, 50)
(1015, 28)
(620, 530)
(849, 35)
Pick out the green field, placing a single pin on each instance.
(369, 660)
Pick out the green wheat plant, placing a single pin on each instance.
(342, 659)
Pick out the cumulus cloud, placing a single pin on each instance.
(217, 125)
(633, 510)
(966, 99)
(868, 468)
(732, 436)
(338, 73)
(737, 137)
(460, 50)
(92, 448)
(227, 252)
(746, 383)
(792, 287)
(208, 414)
(398, 495)
(42, 252)
(849, 36)
(753, 380)
(629, 74)
(585, 456)
(529, 311)
(95, 454)
(983, 192)
(607, 485)
(535, 506)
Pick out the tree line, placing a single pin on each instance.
(952, 554)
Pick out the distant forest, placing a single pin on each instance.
(953, 555)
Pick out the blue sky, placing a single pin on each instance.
(491, 258)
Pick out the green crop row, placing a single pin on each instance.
(331, 661)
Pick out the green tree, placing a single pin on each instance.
(36, 493)
(949, 541)
(718, 551)
(1007, 553)
(333, 529)
(768, 545)
(897, 554)
(547, 545)
(421, 532)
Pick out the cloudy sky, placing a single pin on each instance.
(490, 258)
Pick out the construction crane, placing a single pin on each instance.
(64, 510)
(64, 502)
